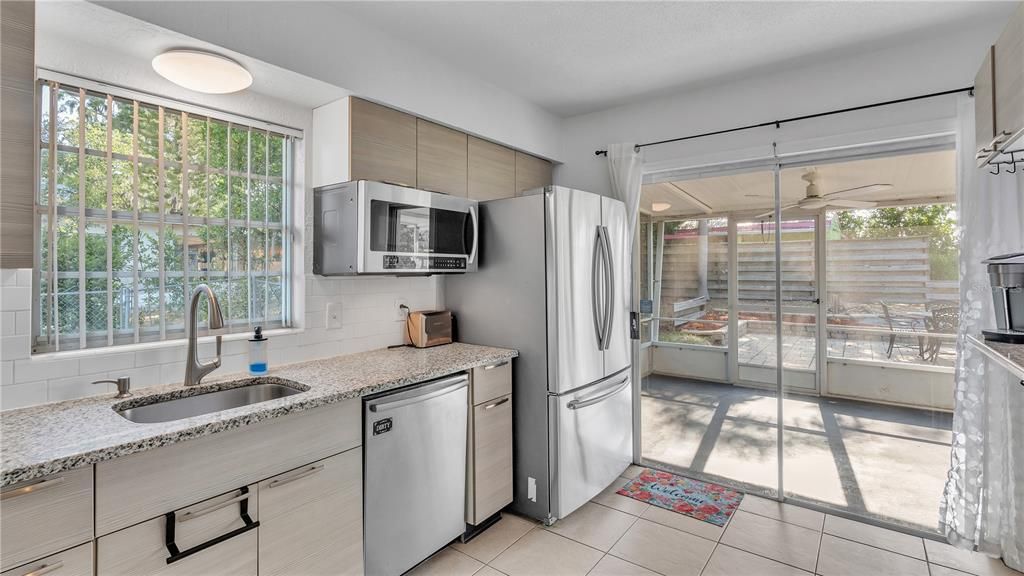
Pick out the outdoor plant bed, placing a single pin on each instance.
(714, 332)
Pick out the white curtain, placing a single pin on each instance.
(625, 168)
(983, 503)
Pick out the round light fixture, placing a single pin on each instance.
(202, 71)
(660, 206)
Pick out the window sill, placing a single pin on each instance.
(182, 343)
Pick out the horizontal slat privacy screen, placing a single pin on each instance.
(139, 203)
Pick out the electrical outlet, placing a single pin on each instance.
(333, 315)
(401, 313)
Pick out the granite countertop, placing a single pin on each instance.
(1011, 356)
(51, 438)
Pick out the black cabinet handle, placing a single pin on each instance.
(172, 547)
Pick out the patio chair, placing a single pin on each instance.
(901, 327)
(944, 320)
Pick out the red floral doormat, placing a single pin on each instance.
(701, 500)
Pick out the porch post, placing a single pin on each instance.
(659, 253)
(734, 301)
(702, 258)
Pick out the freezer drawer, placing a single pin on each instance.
(594, 442)
(414, 446)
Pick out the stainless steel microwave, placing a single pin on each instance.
(364, 227)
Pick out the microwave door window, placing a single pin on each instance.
(409, 229)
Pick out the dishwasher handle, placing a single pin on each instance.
(424, 392)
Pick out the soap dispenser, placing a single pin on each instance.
(258, 353)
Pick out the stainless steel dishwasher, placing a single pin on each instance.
(414, 489)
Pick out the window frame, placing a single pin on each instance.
(45, 342)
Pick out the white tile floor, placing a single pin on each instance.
(617, 536)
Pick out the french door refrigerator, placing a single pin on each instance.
(552, 284)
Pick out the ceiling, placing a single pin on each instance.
(66, 26)
(915, 177)
(576, 57)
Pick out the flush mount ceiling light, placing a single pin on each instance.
(660, 206)
(202, 71)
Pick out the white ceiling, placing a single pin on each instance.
(921, 177)
(576, 57)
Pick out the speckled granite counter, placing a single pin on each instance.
(50, 438)
(1011, 356)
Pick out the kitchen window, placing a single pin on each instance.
(140, 201)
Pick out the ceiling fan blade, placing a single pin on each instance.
(859, 190)
(852, 203)
(772, 212)
(813, 203)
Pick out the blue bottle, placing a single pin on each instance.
(258, 353)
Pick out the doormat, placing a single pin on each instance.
(705, 501)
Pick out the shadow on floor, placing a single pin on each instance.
(872, 460)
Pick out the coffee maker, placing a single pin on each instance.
(1006, 274)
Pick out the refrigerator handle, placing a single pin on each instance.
(609, 291)
(595, 289)
(577, 404)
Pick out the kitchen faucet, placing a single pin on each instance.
(194, 369)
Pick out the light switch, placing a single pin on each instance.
(333, 315)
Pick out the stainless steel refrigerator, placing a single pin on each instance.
(552, 283)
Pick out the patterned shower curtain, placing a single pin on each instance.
(983, 503)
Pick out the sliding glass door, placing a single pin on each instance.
(852, 292)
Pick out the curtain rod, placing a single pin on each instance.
(779, 123)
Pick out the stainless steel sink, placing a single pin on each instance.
(206, 402)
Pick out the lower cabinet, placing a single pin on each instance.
(489, 459)
(74, 562)
(306, 521)
(210, 537)
(311, 518)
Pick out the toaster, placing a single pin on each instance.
(426, 328)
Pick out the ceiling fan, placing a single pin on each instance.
(815, 200)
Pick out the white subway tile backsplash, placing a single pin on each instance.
(15, 297)
(15, 347)
(6, 373)
(160, 355)
(25, 277)
(29, 370)
(8, 277)
(7, 323)
(22, 395)
(23, 322)
(105, 363)
(71, 388)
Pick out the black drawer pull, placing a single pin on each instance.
(172, 548)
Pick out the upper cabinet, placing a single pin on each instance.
(1008, 60)
(441, 158)
(492, 170)
(531, 172)
(984, 106)
(383, 144)
(354, 139)
(17, 133)
(999, 91)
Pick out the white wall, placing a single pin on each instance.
(947, 62)
(368, 304)
(321, 40)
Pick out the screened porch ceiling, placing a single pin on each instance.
(922, 177)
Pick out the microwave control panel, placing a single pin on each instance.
(394, 262)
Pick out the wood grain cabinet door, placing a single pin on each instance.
(311, 519)
(43, 516)
(383, 144)
(531, 172)
(492, 457)
(441, 159)
(74, 562)
(205, 534)
(1008, 57)
(492, 170)
(17, 133)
